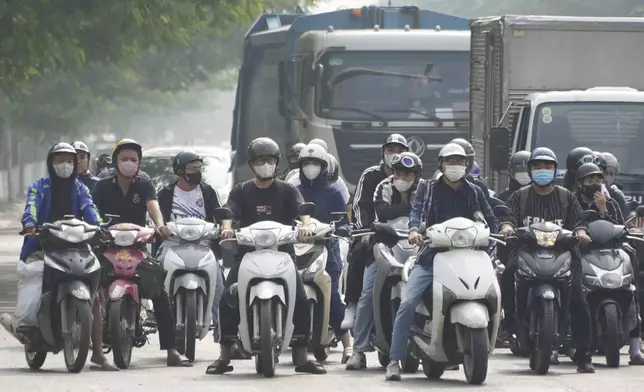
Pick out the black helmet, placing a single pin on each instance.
(397, 139)
(103, 161)
(180, 161)
(467, 146)
(600, 160)
(611, 160)
(542, 154)
(59, 148)
(519, 161)
(408, 162)
(587, 169)
(80, 146)
(578, 156)
(294, 153)
(263, 147)
(127, 144)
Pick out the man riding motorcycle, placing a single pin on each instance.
(49, 199)
(392, 199)
(436, 201)
(103, 165)
(575, 158)
(541, 202)
(82, 170)
(363, 216)
(260, 199)
(611, 169)
(314, 187)
(130, 195)
(293, 157)
(518, 172)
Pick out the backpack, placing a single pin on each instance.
(562, 195)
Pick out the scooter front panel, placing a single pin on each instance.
(467, 273)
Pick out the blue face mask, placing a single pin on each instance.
(543, 177)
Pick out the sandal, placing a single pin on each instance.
(311, 367)
(179, 362)
(219, 366)
(104, 367)
(346, 354)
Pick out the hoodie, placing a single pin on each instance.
(326, 198)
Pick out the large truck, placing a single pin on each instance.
(351, 77)
(558, 82)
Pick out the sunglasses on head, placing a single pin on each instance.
(404, 160)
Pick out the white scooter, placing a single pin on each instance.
(465, 301)
(265, 289)
(192, 276)
(388, 287)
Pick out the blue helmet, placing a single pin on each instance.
(476, 170)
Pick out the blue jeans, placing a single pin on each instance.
(364, 312)
(334, 269)
(419, 280)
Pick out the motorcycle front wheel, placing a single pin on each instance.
(122, 324)
(76, 339)
(546, 325)
(612, 335)
(266, 335)
(190, 323)
(475, 361)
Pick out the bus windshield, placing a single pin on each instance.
(615, 127)
(395, 86)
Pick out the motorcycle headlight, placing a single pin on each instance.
(191, 232)
(546, 239)
(611, 280)
(265, 238)
(524, 269)
(564, 270)
(123, 238)
(464, 238)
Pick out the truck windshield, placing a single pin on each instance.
(614, 127)
(397, 86)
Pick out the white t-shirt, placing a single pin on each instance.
(188, 204)
(293, 178)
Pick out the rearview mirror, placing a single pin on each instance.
(222, 214)
(500, 145)
(639, 211)
(306, 209)
(589, 216)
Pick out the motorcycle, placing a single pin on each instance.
(265, 290)
(192, 272)
(458, 320)
(71, 274)
(123, 323)
(388, 287)
(608, 281)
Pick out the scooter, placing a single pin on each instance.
(265, 290)
(192, 272)
(608, 281)
(123, 324)
(71, 274)
(458, 320)
(388, 287)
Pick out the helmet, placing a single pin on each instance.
(542, 154)
(587, 169)
(294, 152)
(476, 170)
(180, 161)
(320, 143)
(397, 139)
(127, 144)
(611, 160)
(519, 161)
(578, 156)
(407, 161)
(334, 169)
(451, 150)
(59, 148)
(80, 146)
(600, 160)
(467, 146)
(263, 147)
(315, 151)
(103, 161)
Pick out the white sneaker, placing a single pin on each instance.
(349, 317)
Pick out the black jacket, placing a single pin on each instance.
(363, 207)
(210, 197)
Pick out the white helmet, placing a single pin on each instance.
(321, 143)
(314, 151)
(451, 150)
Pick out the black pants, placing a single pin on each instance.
(229, 316)
(360, 256)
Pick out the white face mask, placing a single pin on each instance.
(311, 171)
(402, 185)
(264, 171)
(454, 172)
(64, 170)
(388, 158)
(523, 178)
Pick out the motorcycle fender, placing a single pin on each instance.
(470, 314)
(544, 291)
(190, 282)
(74, 288)
(311, 293)
(121, 287)
(266, 289)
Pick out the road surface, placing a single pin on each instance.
(148, 373)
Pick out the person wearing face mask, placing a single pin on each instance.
(293, 157)
(576, 157)
(519, 176)
(260, 199)
(476, 180)
(545, 202)
(436, 201)
(49, 199)
(82, 170)
(392, 199)
(611, 169)
(130, 196)
(362, 217)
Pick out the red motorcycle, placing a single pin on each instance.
(122, 322)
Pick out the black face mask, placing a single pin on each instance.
(590, 190)
(193, 178)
